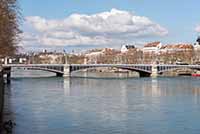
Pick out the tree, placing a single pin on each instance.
(9, 27)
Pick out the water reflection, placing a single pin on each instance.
(152, 88)
(196, 92)
(170, 86)
(66, 86)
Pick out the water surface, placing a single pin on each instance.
(105, 106)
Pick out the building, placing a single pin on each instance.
(93, 56)
(22, 60)
(197, 44)
(171, 48)
(125, 48)
(153, 47)
(106, 55)
(49, 58)
(16, 59)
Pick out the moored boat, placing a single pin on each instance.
(196, 75)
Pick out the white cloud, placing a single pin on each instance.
(42, 24)
(28, 39)
(197, 29)
(113, 27)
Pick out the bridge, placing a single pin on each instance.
(65, 70)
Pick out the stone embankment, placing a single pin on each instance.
(1, 98)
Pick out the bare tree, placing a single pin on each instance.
(9, 27)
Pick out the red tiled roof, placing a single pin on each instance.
(152, 44)
(179, 46)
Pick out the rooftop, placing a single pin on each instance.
(152, 44)
(178, 46)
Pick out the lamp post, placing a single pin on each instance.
(66, 59)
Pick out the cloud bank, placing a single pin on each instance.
(106, 28)
(197, 29)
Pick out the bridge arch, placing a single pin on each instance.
(57, 72)
(162, 69)
(144, 71)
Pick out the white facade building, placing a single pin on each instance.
(153, 47)
(22, 60)
(197, 44)
(93, 57)
(125, 48)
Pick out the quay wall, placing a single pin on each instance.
(1, 99)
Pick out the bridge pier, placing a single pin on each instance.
(8, 77)
(142, 74)
(154, 73)
(66, 71)
(59, 74)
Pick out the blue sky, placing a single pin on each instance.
(179, 18)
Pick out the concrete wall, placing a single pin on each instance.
(1, 99)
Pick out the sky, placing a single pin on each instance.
(77, 25)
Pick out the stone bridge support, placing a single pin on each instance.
(59, 74)
(66, 71)
(144, 74)
(154, 70)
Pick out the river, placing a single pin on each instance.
(98, 105)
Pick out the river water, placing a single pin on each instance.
(98, 105)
